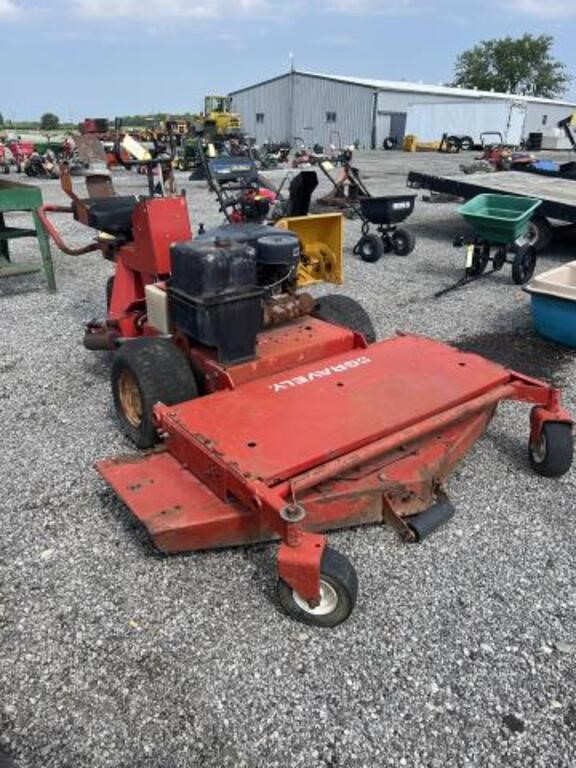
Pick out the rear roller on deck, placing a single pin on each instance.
(425, 523)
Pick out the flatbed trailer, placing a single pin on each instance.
(558, 196)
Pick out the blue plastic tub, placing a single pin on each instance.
(553, 297)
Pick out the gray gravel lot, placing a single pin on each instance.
(461, 651)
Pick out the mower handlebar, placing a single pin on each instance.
(55, 235)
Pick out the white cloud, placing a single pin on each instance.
(551, 9)
(384, 7)
(170, 9)
(158, 10)
(8, 9)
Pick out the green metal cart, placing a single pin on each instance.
(22, 198)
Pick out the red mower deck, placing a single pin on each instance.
(363, 436)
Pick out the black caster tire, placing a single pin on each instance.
(403, 242)
(552, 456)
(524, 265)
(338, 592)
(144, 372)
(369, 248)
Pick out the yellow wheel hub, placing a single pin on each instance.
(130, 398)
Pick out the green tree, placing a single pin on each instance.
(1, 119)
(523, 66)
(49, 121)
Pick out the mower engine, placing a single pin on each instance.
(226, 286)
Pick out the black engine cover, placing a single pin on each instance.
(273, 247)
(213, 296)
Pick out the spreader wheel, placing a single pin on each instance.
(145, 372)
(524, 265)
(480, 260)
(403, 242)
(552, 455)
(338, 591)
(347, 312)
(369, 248)
(499, 259)
(540, 233)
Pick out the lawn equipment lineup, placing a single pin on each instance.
(219, 324)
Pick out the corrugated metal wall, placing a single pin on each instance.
(323, 111)
(298, 106)
(315, 100)
(272, 100)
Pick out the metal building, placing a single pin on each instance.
(329, 109)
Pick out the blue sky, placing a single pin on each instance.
(83, 58)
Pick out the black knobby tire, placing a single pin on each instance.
(403, 242)
(109, 290)
(524, 265)
(369, 248)
(338, 587)
(145, 372)
(347, 312)
(466, 143)
(540, 233)
(552, 456)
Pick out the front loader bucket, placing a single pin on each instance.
(321, 240)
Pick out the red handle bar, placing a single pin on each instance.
(55, 235)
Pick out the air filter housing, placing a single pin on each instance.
(214, 299)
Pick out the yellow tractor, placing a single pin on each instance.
(218, 119)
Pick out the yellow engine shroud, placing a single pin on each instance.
(321, 241)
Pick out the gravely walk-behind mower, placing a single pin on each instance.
(275, 417)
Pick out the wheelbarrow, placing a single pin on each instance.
(386, 213)
(501, 224)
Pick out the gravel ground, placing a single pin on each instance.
(461, 651)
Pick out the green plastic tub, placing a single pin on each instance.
(499, 219)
